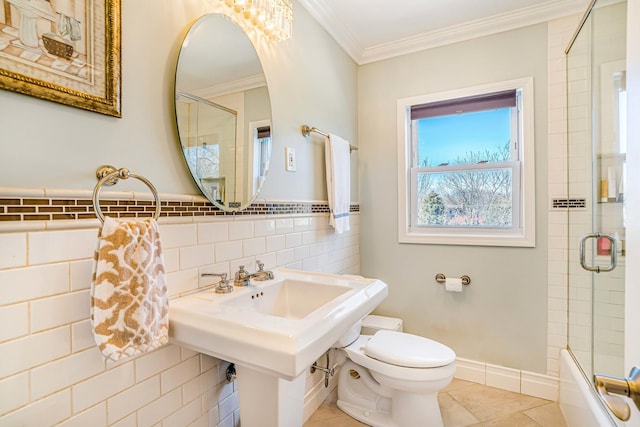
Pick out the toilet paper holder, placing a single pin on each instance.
(441, 278)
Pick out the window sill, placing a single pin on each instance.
(477, 239)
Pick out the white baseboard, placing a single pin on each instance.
(515, 380)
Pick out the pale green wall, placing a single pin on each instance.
(502, 317)
(312, 80)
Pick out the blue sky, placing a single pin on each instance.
(442, 139)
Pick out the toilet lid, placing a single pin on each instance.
(412, 351)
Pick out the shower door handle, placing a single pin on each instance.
(596, 268)
(629, 387)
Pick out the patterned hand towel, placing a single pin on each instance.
(129, 302)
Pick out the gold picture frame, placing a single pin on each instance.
(65, 51)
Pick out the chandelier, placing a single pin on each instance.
(272, 18)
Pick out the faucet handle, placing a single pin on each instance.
(242, 276)
(223, 286)
(260, 265)
(241, 273)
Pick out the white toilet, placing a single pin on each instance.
(389, 378)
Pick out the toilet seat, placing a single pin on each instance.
(406, 350)
(356, 352)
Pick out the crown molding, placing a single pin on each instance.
(482, 27)
(333, 25)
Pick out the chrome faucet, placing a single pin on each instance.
(243, 277)
(223, 286)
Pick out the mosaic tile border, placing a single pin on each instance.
(52, 208)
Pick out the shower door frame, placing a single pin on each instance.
(632, 268)
(588, 292)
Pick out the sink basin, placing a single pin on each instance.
(279, 326)
(288, 298)
(273, 331)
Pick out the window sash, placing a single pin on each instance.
(516, 130)
(516, 219)
(467, 104)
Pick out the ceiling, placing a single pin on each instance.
(371, 30)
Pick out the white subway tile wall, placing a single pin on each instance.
(559, 34)
(50, 368)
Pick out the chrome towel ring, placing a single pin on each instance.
(109, 175)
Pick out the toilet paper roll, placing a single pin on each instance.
(453, 285)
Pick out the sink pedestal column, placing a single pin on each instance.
(269, 401)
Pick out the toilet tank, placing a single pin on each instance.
(373, 323)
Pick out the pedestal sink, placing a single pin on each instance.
(273, 331)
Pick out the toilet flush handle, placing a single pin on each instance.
(629, 386)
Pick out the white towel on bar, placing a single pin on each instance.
(338, 163)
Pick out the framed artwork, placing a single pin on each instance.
(66, 51)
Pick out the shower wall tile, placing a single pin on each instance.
(559, 32)
(51, 368)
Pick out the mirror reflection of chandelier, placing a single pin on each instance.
(272, 18)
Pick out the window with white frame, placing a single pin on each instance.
(466, 166)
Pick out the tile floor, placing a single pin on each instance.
(466, 404)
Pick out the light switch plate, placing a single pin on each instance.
(290, 160)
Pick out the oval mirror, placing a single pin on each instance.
(223, 112)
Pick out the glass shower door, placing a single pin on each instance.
(596, 96)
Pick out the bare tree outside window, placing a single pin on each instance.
(468, 198)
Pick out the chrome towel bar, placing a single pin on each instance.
(306, 131)
(109, 175)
